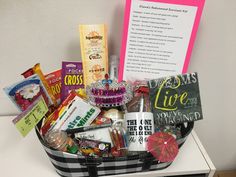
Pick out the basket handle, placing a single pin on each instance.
(186, 128)
(91, 165)
(147, 162)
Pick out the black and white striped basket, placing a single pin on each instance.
(71, 165)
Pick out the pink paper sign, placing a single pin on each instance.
(158, 37)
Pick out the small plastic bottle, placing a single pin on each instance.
(59, 140)
(114, 62)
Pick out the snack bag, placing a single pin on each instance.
(93, 148)
(25, 92)
(72, 78)
(54, 82)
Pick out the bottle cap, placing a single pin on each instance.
(72, 149)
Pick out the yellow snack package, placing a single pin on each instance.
(38, 71)
(93, 42)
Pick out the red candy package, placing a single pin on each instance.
(101, 119)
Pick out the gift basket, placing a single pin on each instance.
(90, 123)
(76, 165)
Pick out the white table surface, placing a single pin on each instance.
(25, 157)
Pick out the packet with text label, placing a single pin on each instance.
(93, 42)
(54, 82)
(72, 78)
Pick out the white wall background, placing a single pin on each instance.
(47, 32)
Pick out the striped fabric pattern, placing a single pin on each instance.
(71, 165)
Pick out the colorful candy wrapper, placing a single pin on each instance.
(93, 148)
(101, 119)
(36, 70)
(25, 92)
(72, 79)
(48, 123)
(54, 81)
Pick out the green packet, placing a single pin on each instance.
(28, 119)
